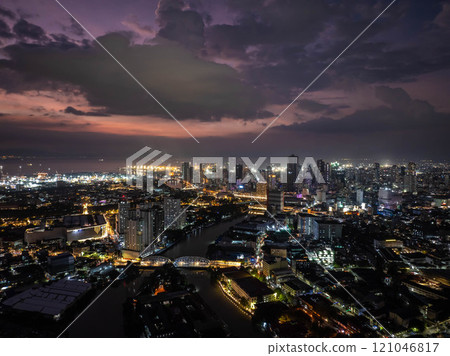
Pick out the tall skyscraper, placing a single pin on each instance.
(324, 169)
(123, 215)
(395, 174)
(410, 179)
(186, 171)
(376, 171)
(239, 171)
(359, 196)
(144, 225)
(172, 211)
(135, 234)
(321, 165)
(327, 176)
(157, 221)
(292, 171)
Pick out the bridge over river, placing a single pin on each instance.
(187, 262)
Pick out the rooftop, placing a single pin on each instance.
(297, 285)
(83, 220)
(253, 287)
(50, 300)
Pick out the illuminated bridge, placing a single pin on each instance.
(192, 262)
(155, 261)
(187, 262)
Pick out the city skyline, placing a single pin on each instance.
(273, 171)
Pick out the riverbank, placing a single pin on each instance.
(106, 314)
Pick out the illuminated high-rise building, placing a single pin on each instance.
(324, 169)
(239, 171)
(186, 172)
(359, 196)
(376, 172)
(134, 234)
(292, 171)
(410, 178)
(144, 225)
(261, 189)
(122, 220)
(173, 217)
(395, 174)
(321, 165)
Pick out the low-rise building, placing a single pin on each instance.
(253, 290)
(281, 275)
(327, 229)
(270, 263)
(295, 287)
(248, 287)
(52, 300)
(387, 243)
(64, 262)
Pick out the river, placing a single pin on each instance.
(104, 318)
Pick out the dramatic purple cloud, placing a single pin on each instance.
(225, 68)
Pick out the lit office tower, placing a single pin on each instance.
(410, 179)
(271, 178)
(327, 176)
(157, 221)
(186, 171)
(135, 234)
(172, 211)
(144, 225)
(261, 189)
(292, 171)
(395, 174)
(239, 171)
(324, 169)
(376, 171)
(321, 165)
(122, 219)
(359, 177)
(359, 196)
(153, 219)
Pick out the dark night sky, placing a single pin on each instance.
(225, 69)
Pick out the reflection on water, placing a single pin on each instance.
(238, 321)
(105, 318)
(198, 244)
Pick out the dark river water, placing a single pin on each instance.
(104, 318)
